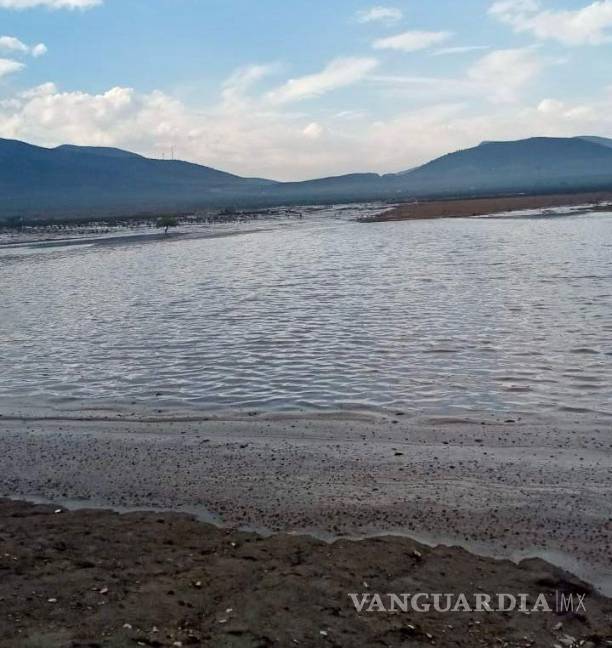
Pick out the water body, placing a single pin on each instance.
(428, 317)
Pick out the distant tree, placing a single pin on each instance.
(167, 222)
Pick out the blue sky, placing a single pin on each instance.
(300, 89)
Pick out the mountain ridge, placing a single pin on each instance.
(69, 180)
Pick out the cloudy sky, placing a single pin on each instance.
(303, 88)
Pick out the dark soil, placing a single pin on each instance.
(97, 578)
(465, 207)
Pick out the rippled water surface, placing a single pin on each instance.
(426, 317)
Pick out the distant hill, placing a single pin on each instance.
(346, 188)
(104, 151)
(73, 178)
(77, 181)
(604, 141)
(536, 164)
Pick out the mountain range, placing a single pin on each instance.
(45, 183)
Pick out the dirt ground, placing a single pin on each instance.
(98, 578)
(462, 208)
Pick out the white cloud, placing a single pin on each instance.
(39, 50)
(8, 66)
(281, 145)
(589, 25)
(313, 131)
(50, 4)
(505, 73)
(49, 116)
(464, 49)
(550, 106)
(337, 74)
(245, 133)
(501, 76)
(241, 81)
(388, 15)
(14, 45)
(561, 111)
(42, 90)
(252, 141)
(438, 129)
(445, 84)
(411, 41)
(350, 114)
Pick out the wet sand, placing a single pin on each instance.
(511, 488)
(125, 239)
(99, 579)
(462, 208)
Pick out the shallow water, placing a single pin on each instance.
(427, 317)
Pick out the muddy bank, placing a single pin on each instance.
(462, 208)
(514, 488)
(96, 578)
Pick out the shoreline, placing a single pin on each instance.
(94, 577)
(508, 489)
(125, 239)
(492, 206)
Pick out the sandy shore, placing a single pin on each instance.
(462, 208)
(509, 488)
(99, 579)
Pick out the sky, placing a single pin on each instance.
(298, 89)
